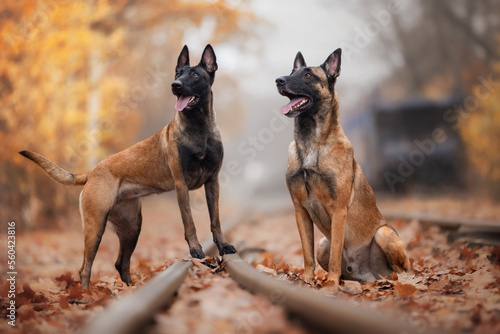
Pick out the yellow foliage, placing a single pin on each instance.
(48, 52)
(480, 130)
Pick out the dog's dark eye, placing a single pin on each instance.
(195, 75)
(308, 75)
(177, 75)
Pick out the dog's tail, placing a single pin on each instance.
(323, 253)
(56, 172)
(393, 248)
(389, 242)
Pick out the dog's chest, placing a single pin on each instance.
(308, 156)
(200, 161)
(316, 190)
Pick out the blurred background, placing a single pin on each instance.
(419, 93)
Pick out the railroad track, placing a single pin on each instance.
(473, 231)
(326, 314)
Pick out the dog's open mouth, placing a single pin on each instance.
(184, 101)
(297, 102)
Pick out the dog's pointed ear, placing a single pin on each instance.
(183, 59)
(208, 59)
(332, 64)
(299, 61)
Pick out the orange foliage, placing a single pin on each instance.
(480, 129)
(58, 62)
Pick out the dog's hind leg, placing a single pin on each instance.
(212, 195)
(393, 248)
(96, 201)
(126, 219)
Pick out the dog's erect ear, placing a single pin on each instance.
(183, 59)
(332, 64)
(298, 62)
(208, 59)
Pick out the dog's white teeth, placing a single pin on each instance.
(302, 102)
(191, 99)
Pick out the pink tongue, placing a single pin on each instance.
(182, 102)
(287, 107)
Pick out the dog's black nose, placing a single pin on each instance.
(281, 81)
(176, 84)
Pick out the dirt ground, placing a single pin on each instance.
(452, 286)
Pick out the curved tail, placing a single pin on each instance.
(393, 248)
(56, 172)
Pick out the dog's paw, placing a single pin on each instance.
(197, 253)
(127, 280)
(307, 284)
(227, 249)
(330, 287)
(308, 276)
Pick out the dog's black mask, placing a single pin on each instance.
(192, 85)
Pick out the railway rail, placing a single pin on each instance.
(327, 314)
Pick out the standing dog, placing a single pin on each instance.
(328, 187)
(184, 155)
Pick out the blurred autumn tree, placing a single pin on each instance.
(439, 46)
(70, 87)
(480, 128)
(448, 48)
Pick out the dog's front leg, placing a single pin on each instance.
(212, 195)
(187, 219)
(337, 245)
(306, 231)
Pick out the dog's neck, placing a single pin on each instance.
(312, 131)
(199, 119)
(323, 125)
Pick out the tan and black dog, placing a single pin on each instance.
(328, 187)
(184, 155)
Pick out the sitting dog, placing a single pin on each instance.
(328, 187)
(184, 155)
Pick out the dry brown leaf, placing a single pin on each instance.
(439, 285)
(351, 287)
(63, 302)
(402, 290)
(144, 270)
(199, 264)
(75, 292)
(67, 278)
(27, 293)
(481, 279)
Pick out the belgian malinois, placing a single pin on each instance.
(184, 155)
(328, 187)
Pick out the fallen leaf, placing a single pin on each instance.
(27, 293)
(402, 290)
(351, 287)
(439, 285)
(200, 265)
(63, 302)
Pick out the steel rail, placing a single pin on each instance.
(472, 231)
(319, 311)
(452, 223)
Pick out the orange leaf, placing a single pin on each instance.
(404, 290)
(439, 285)
(63, 302)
